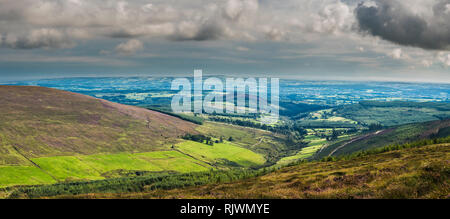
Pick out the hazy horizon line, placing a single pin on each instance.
(233, 75)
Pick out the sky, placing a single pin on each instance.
(392, 40)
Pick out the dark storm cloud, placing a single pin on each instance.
(206, 32)
(395, 22)
(123, 34)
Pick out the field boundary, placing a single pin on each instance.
(34, 164)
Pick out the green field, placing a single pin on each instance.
(222, 154)
(315, 143)
(272, 145)
(189, 157)
(326, 119)
(94, 167)
(23, 175)
(417, 170)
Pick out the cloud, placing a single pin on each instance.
(423, 24)
(129, 47)
(334, 17)
(444, 58)
(191, 31)
(427, 63)
(59, 24)
(40, 38)
(396, 54)
(275, 34)
(327, 26)
(240, 10)
(196, 20)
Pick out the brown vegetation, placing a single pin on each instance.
(42, 121)
(409, 173)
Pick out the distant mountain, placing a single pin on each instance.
(38, 121)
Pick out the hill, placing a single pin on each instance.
(369, 113)
(394, 135)
(50, 136)
(42, 122)
(394, 112)
(412, 173)
(417, 172)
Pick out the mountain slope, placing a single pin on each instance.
(392, 113)
(421, 172)
(38, 122)
(393, 135)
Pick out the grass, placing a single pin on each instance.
(395, 135)
(315, 143)
(174, 161)
(421, 172)
(101, 166)
(395, 112)
(414, 170)
(95, 167)
(67, 168)
(190, 117)
(272, 145)
(44, 122)
(326, 119)
(222, 153)
(23, 175)
(372, 112)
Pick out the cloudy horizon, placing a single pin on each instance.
(392, 40)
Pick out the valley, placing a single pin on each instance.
(67, 143)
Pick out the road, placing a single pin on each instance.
(359, 138)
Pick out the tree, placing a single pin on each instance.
(334, 134)
(375, 126)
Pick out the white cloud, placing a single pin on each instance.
(275, 34)
(396, 53)
(335, 17)
(129, 47)
(427, 63)
(240, 10)
(444, 58)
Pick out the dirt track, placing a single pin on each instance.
(359, 138)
